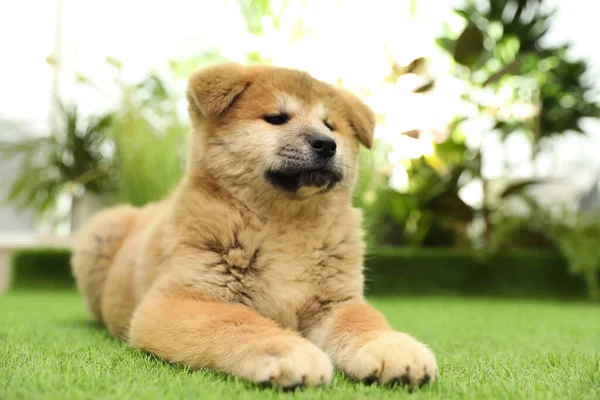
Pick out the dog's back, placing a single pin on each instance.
(94, 251)
(97, 245)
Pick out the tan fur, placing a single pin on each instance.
(232, 273)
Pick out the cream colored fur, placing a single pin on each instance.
(234, 274)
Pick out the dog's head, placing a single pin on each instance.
(279, 127)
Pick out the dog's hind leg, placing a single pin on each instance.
(94, 250)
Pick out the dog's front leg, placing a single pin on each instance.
(231, 338)
(363, 345)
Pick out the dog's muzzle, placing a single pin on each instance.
(311, 166)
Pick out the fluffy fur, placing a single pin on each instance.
(253, 265)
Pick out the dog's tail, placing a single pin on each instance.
(94, 250)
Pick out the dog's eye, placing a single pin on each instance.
(277, 119)
(328, 125)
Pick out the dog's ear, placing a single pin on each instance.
(360, 117)
(211, 90)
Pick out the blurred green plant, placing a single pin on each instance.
(149, 138)
(429, 210)
(578, 242)
(70, 161)
(41, 268)
(534, 89)
(428, 213)
(575, 235)
(134, 153)
(502, 48)
(253, 11)
(501, 51)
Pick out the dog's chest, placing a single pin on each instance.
(278, 272)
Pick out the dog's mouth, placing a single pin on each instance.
(292, 180)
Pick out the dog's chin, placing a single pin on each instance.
(305, 182)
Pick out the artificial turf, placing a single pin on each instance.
(487, 349)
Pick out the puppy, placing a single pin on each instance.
(254, 264)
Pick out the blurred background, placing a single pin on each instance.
(484, 179)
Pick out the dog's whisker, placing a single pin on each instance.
(350, 167)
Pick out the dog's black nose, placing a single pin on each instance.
(323, 145)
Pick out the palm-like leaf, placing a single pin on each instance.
(48, 165)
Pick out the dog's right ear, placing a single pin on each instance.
(211, 90)
(360, 118)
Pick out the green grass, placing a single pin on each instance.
(487, 349)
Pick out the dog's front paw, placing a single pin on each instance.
(291, 363)
(393, 358)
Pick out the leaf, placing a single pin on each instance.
(425, 88)
(451, 150)
(451, 205)
(81, 78)
(508, 69)
(519, 187)
(101, 124)
(25, 147)
(506, 128)
(416, 66)
(446, 44)
(253, 11)
(463, 13)
(51, 61)
(469, 45)
(118, 65)
(413, 133)
(413, 7)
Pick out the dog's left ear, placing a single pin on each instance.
(360, 117)
(211, 90)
